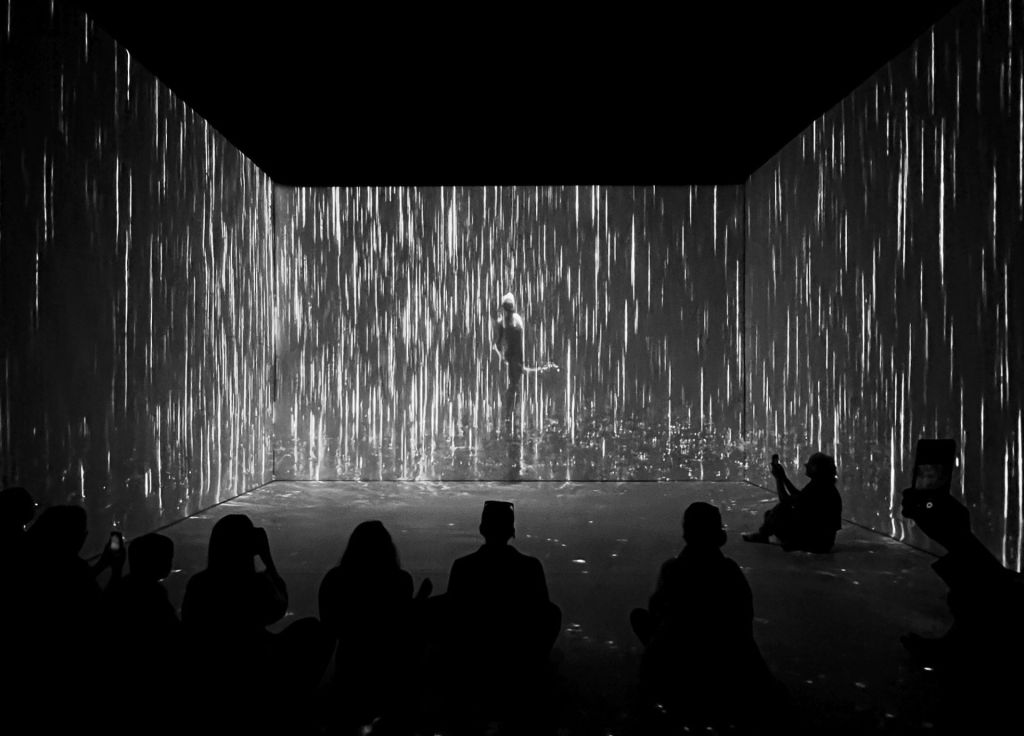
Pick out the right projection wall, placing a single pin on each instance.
(884, 266)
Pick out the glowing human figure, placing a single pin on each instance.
(509, 342)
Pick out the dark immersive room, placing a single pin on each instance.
(450, 372)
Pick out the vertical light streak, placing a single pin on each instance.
(844, 250)
(429, 335)
(167, 320)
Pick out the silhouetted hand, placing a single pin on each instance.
(118, 558)
(426, 588)
(777, 470)
(940, 516)
(261, 544)
(114, 559)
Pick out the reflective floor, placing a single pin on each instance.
(593, 447)
(828, 625)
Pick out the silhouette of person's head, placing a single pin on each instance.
(508, 303)
(232, 545)
(702, 526)
(16, 510)
(150, 557)
(60, 531)
(497, 523)
(820, 466)
(370, 548)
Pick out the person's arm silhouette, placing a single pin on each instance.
(277, 601)
(113, 559)
(658, 602)
(786, 490)
(496, 344)
(538, 582)
(426, 588)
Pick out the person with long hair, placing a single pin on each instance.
(226, 611)
(366, 602)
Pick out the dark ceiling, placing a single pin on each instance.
(325, 94)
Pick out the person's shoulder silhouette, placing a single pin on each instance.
(230, 597)
(53, 545)
(367, 583)
(139, 603)
(498, 573)
(702, 587)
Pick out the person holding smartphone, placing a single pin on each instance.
(225, 613)
(975, 658)
(57, 635)
(807, 518)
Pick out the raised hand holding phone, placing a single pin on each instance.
(113, 556)
(261, 544)
(777, 470)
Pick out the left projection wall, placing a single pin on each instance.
(135, 253)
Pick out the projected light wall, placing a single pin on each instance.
(387, 298)
(135, 253)
(884, 260)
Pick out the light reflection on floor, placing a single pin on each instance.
(828, 625)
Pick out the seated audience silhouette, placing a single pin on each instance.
(225, 612)
(144, 632)
(61, 614)
(500, 621)
(700, 658)
(366, 603)
(805, 519)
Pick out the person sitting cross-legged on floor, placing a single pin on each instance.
(367, 604)
(700, 657)
(808, 518)
(145, 636)
(498, 621)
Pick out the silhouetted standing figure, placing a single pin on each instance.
(509, 338)
(366, 603)
(501, 620)
(805, 519)
(700, 658)
(226, 610)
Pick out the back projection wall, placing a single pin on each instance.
(386, 301)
